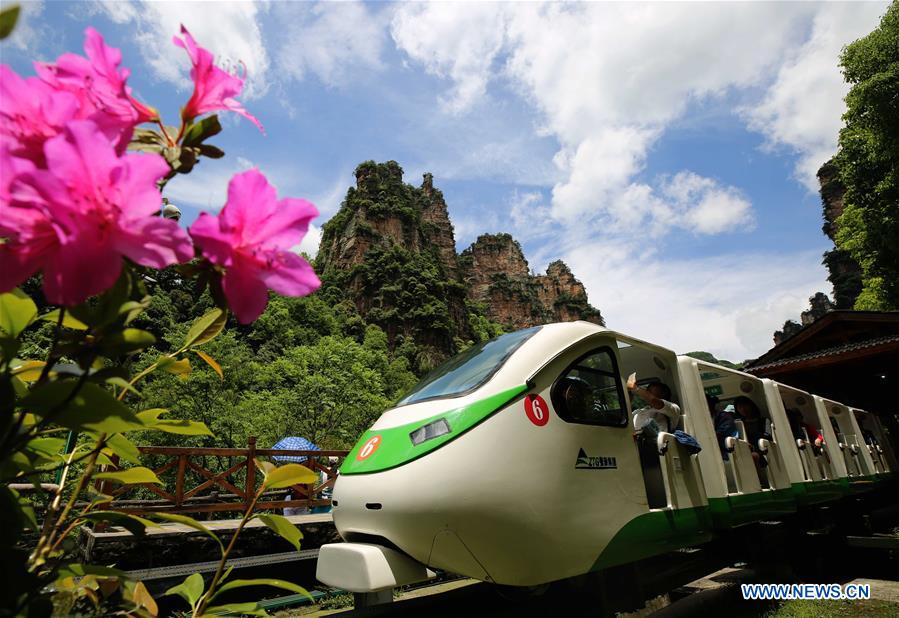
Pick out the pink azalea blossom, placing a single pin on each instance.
(214, 89)
(100, 87)
(76, 219)
(25, 230)
(31, 112)
(251, 239)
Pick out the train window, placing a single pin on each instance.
(468, 370)
(589, 391)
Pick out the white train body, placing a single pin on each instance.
(504, 486)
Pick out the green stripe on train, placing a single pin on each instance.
(395, 448)
(654, 533)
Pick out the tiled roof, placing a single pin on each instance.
(833, 351)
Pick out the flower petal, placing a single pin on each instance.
(246, 293)
(293, 276)
(250, 199)
(155, 242)
(80, 269)
(216, 245)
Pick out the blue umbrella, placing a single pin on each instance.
(293, 443)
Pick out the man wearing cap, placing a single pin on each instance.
(659, 409)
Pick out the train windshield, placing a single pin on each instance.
(468, 370)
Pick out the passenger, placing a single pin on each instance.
(658, 415)
(756, 429)
(659, 409)
(724, 424)
(867, 434)
(797, 424)
(756, 426)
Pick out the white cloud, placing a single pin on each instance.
(803, 107)
(729, 305)
(704, 206)
(311, 241)
(32, 34)
(330, 40)
(458, 41)
(206, 187)
(230, 30)
(607, 79)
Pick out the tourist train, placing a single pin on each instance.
(488, 470)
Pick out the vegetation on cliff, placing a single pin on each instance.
(868, 162)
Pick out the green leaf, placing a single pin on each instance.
(241, 609)
(128, 340)
(123, 384)
(151, 416)
(277, 583)
(202, 130)
(189, 522)
(178, 367)
(289, 474)
(132, 523)
(68, 320)
(142, 598)
(185, 428)
(124, 448)
(29, 371)
(134, 308)
(91, 409)
(182, 428)
(283, 527)
(210, 151)
(191, 589)
(45, 450)
(8, 18)
(211, 362)
(130, 476)
(17, 311)
(206, 327)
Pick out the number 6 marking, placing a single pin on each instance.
(369, 447)
(536, 410)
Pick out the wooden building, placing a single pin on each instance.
(848, 356)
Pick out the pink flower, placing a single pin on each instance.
(31, 112)
(79, 217)
(100, 87)
(251, 239)
(26, 231)
(214, 89)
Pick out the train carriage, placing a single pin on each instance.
(515, 462)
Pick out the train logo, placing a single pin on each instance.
(369, 448)
(585, 462)
(536, 409)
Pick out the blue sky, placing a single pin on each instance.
(665, 151)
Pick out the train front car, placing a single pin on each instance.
(495, 467)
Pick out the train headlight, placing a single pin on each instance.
(430, 431)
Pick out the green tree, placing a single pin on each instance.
(868, 161)
(329, 392)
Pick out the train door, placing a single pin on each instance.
(805, 429)
(858, 460)
(872, 438)
(672, 475)
(886, 445)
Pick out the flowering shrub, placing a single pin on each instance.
(80, 200)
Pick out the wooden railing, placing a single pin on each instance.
(190, 486)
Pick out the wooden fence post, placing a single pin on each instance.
(179, 480)
(251, 470)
